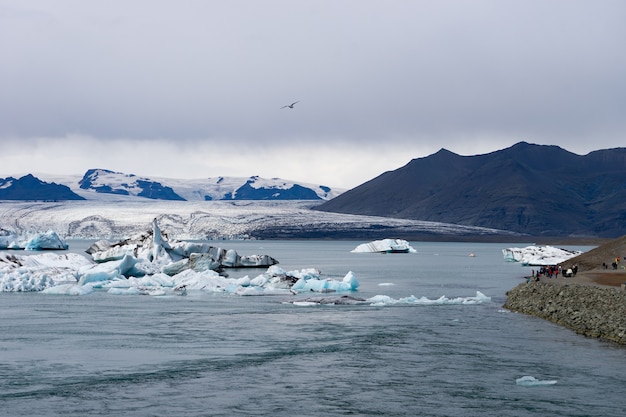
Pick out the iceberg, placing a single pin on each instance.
(382, 300)
(46, 241)
(385, 300)
(385, 246)
(8, 240)
(69, 289)
(313, 282)
(150, 264)
(39, 272)
(49, 240)
(538, 255)
(531, 381)
(153, 247)
(106, 271)
(145, 265)
(75, 274)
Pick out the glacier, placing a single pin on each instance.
(116, 217)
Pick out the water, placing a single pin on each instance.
(224, 355)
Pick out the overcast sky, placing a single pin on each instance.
(194, 89)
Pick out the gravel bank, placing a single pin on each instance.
(587, 308)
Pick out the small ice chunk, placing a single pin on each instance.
(531, 381)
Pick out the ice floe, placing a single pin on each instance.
(443, 300)
(152, 264)
(531, 381)
(385, 246)
(538, 255)
(49, 240)
(385, 300)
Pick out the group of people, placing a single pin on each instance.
(614, 264)
(553, 271)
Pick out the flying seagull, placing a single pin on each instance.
(290, 105)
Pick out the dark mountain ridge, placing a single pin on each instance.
(99, 184)
(29, 187)
(538, 190)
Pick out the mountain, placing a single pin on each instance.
(532, 189)
(109, 182)
(103, 184)
(30, 188)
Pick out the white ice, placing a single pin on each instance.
(75, 274)
(384, 245)
(318, 284)
(121, 216)
(531, 381)
(382, 300)
(49, 240)
(139, 268)
(538, 255)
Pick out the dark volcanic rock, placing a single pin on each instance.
(532, 189)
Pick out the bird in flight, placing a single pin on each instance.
(290, 105)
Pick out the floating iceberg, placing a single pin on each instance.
(384, 300)
(8, 240)
(38, 272)
(313, 282)
(531, 381)
(49, 240)
(75, 274)
(173, 257)
(385, 246)
(151, 265)
(538, 255)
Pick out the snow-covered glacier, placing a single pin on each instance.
(121, 216)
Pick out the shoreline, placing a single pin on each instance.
(594, 277)
(593, 303)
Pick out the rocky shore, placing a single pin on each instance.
(592, 303)
(597, 311)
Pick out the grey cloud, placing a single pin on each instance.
(365, 71)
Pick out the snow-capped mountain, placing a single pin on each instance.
(121, 205)
(30, 188)
(106, 185)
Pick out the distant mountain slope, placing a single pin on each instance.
(30, 188)
(103, 184)
(105, 181)
(533, 189)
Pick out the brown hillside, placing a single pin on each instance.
(605, 253)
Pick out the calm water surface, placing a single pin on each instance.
(224, 355)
